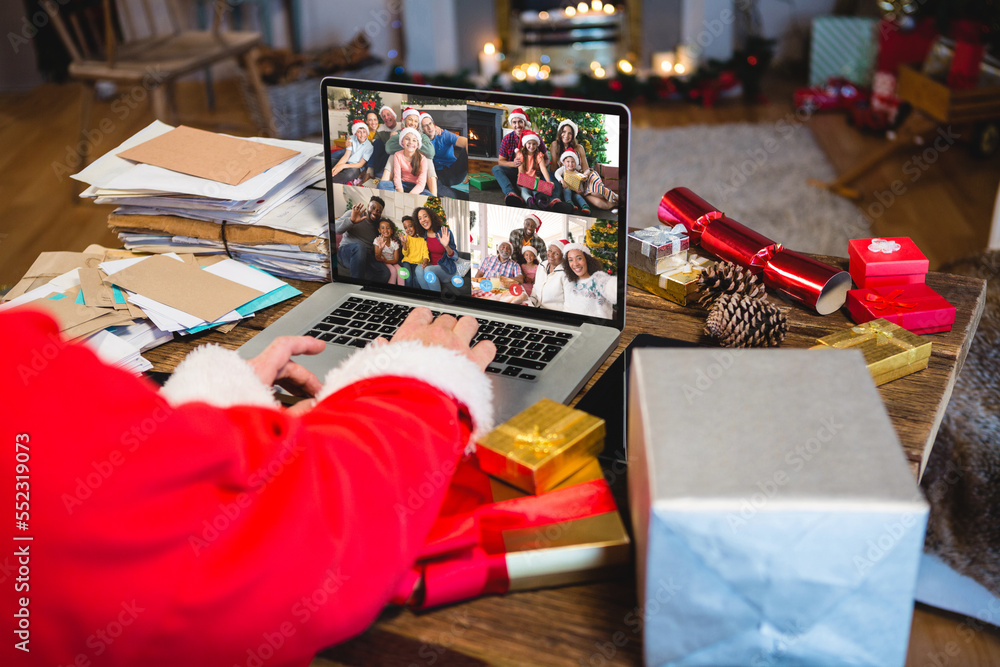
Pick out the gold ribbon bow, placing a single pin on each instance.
(881, 335)
(540, 444)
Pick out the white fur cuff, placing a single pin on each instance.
(449, 371)
(217, 376)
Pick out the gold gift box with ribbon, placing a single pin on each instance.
(678, 284)
(890, 350)
(541, 446)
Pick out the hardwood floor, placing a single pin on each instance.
(946, 209)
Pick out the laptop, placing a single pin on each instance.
(552, 332)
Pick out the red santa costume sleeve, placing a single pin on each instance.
(203, 525)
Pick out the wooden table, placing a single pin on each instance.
(599, 624)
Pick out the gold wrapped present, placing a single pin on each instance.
(574, 180)
(890, 350)
(568, 552)
(678, 284)
(540, 447)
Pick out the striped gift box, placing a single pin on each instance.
(843, 46)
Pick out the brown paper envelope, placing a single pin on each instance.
(111, 319)
(66, 311)
(54, 264)
(95, 292)
(119, 253)
(17, 290)
(208, 155)
(185, 287)
(135, 312)
(46, 266)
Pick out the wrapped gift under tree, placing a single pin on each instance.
(842, 46)
(482, 181)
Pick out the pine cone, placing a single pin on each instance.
(738, 320)
(728, 278)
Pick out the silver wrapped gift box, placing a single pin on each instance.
(658, 248)
(776, 519)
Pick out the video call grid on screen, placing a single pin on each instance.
(466, 137)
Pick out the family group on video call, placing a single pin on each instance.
(404, 150)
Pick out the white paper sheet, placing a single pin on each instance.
(112, 172)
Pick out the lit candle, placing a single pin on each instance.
(488, 63)
(686, 61)
(663, 63)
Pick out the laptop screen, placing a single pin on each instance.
(495, 200)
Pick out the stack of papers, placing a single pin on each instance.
(251, 196)
(122, 307)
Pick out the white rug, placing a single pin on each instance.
(755, 174)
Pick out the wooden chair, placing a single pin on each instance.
(93, 38)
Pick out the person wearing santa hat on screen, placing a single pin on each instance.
(550, 279)
(389, 127)
(411, 118)
(589, 290)
(527, 235)
(510, 157)
(203, 523)
(356, 155)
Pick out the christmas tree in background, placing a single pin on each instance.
(602, 239)
(591, 135)
(360, 103)
(434, 204)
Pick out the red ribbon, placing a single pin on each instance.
(368, 104)
(879, 302)
(764, 256)
(464, 556)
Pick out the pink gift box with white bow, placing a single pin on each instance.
(880, 262)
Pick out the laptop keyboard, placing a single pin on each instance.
(522, 351)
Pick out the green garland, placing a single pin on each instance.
(746, 66)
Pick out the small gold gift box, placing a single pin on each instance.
(678, 284)
(540, 447)
(569, 552)
(890, 350)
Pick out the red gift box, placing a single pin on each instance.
(917, 308)
(493, 538)
(535, 183)
(880, 262)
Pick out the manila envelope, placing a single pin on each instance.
(66, 311)
(95, 291)
(185, 287)
(208, 155)
(46, 266)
